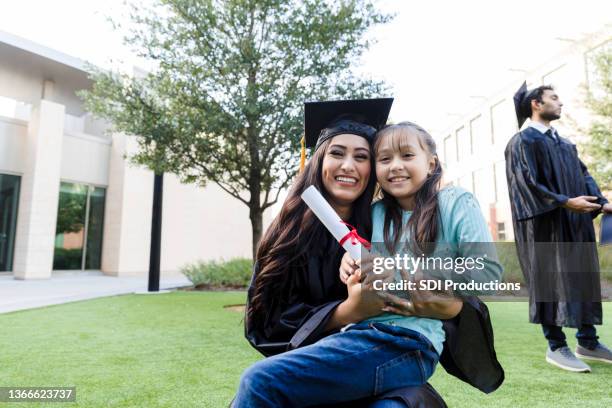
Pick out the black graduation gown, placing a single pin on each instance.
(469, 352)
(563, 278)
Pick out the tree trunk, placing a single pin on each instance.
(256, 215)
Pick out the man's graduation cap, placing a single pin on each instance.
(522, 105)
(361, 117)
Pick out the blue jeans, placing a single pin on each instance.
(363, 361)
(586, 335)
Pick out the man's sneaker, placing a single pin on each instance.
(565, 359)
(600, 353)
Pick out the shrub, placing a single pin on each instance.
(235, 273)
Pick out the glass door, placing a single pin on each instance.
(9, 200)
(80, 220)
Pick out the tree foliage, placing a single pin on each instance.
(598, 147)
(224, 104)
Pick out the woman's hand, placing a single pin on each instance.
(347, 267)
(362, 303)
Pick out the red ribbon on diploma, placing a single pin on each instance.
(355, 237)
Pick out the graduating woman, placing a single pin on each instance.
(295, 297)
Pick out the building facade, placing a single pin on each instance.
(472, 148)
(69, 199)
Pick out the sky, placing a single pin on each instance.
(441, 57)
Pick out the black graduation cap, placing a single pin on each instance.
(362, 117)
(522, 109)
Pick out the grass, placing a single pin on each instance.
(183, 349)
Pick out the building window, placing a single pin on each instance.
(478, 134)
(80, 220)
(501, 183)
(9, 201)
(464, 148)
(503, 122)
(450, 151)
(484, 187)
(501, 231)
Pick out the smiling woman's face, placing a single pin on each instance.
(346, 168)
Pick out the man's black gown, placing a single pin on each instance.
(556, 247)
(316, 290)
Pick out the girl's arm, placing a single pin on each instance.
(442, 309)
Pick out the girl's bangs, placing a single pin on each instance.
(397, 137)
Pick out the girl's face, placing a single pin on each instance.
(402, 165)
(346, 168)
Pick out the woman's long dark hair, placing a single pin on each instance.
(294, 231)
(423, 224)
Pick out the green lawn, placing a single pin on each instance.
(184, 349)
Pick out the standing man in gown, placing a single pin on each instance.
(554, 200)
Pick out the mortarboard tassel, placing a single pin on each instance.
(302, 154)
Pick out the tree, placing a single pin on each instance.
(598, 147)
(225, 102)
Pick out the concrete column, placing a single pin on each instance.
(113, 214)
(37, 214)
(127, 218)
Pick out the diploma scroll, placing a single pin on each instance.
(348, 238)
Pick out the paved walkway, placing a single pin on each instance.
(28, 294)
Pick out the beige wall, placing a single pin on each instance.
(13, 134)
(202, 223)
(87, 159)
(198, 223)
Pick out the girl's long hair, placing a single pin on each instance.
(423, 224)
(293, 233)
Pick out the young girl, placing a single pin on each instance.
(370, 356)
(415, 211)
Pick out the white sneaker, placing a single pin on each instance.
(565, 359)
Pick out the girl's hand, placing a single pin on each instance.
(347, 267)
(443, 309)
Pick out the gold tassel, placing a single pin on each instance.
(303, 154)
